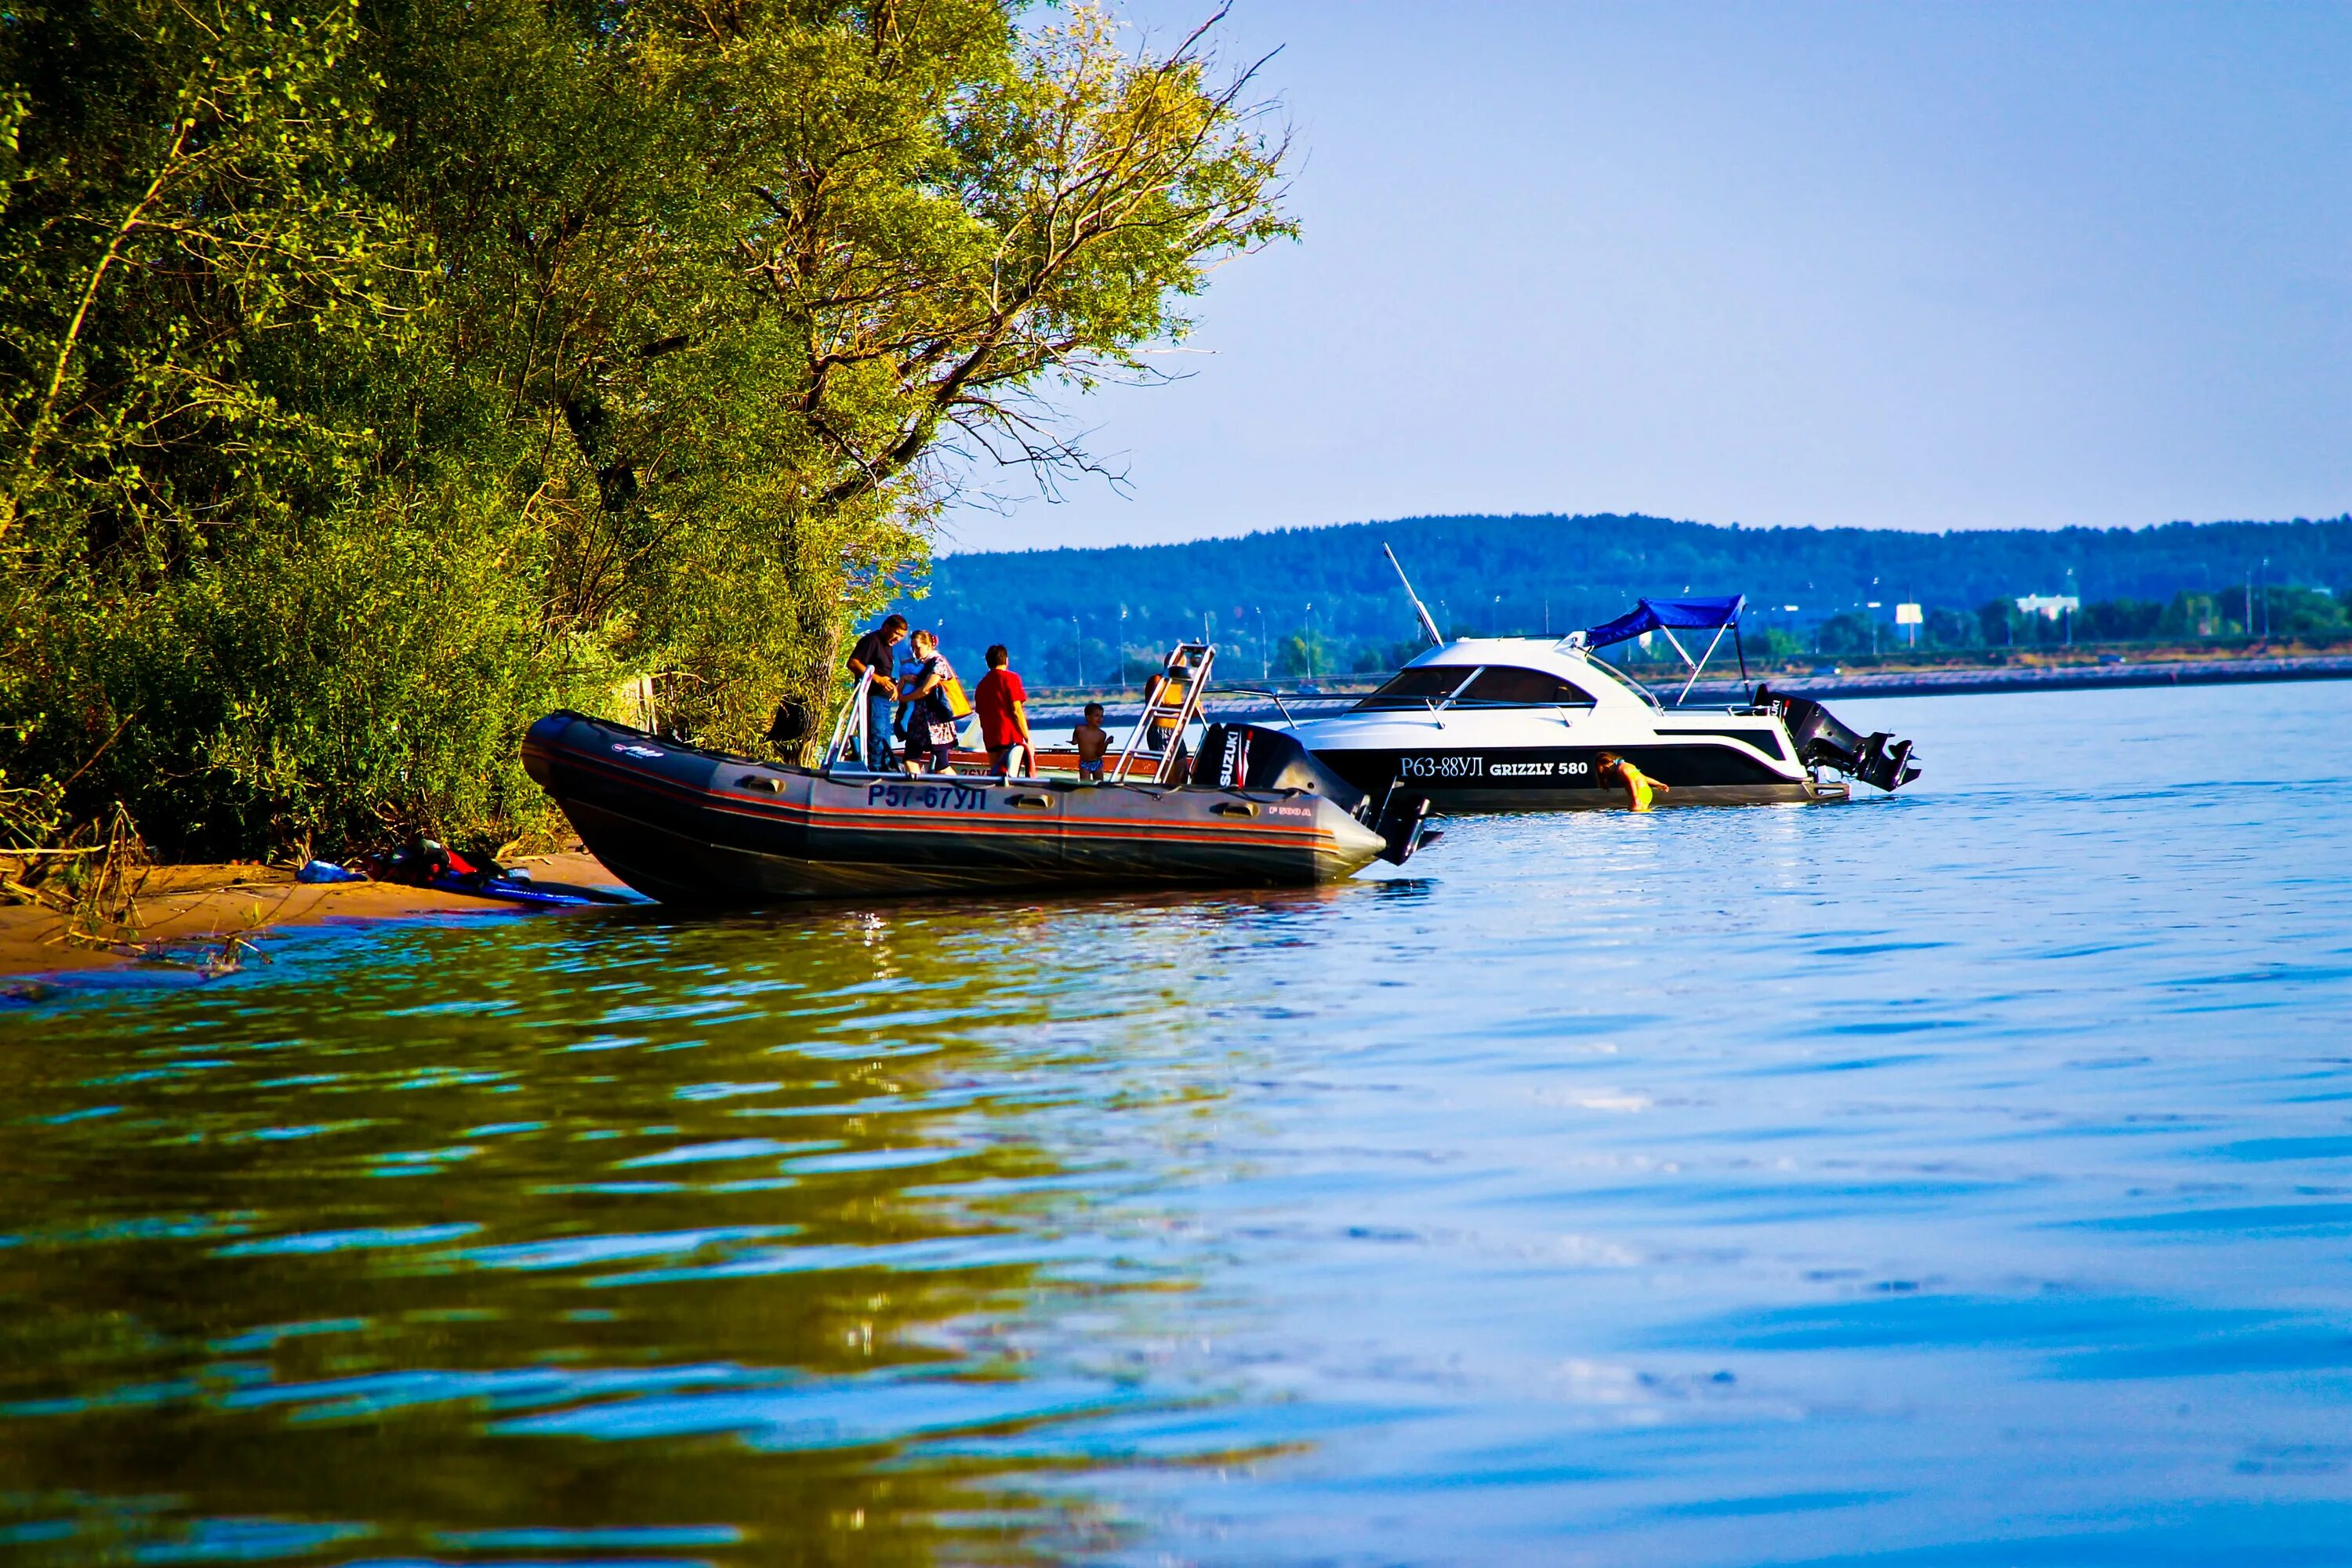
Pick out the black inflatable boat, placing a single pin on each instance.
(688, 825)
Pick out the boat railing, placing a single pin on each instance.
(1293, 705)
(855, 723)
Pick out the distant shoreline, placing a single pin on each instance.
(2051, 677)
(1051, 708)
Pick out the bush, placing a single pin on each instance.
(332, 688)
(2117, 620)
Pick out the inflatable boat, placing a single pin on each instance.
(693, 826)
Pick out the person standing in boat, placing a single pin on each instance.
(1163, 703)
(1092, 740)
(909, 675)
(1639, 786)
(931, 717)
(873, 653)
(1004, 705)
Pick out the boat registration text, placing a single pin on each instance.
(1461, 767)
(927, 797)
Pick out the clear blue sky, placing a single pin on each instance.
(1910, 266)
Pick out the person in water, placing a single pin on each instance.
(930, 710)
(1092, 740)
(1639, 786)
(873, 653)
(1002, 703)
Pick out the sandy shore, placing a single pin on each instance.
(187, 914)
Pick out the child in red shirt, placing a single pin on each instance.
(1003, 704)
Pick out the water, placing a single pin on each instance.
(1963, 1177)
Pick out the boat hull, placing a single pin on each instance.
(1469, 779)
(686, 826)
(1483, 724)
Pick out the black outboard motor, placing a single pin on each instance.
(1403, 821)
(1244, 756)
(1878, 760)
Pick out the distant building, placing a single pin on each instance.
(2048, 606)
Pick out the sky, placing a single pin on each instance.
(1881, 265)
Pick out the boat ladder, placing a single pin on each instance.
(1170, 703)
(849, 741)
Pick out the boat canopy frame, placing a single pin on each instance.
(1719, 612)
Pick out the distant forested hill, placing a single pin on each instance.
(1487, 574)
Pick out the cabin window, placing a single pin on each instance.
(1419, 688)
(1500, 686)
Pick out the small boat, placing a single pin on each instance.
(688, 825)
(1520, 724)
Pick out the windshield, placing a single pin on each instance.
(1419, 688)
(1499, 686)
(1627, 681)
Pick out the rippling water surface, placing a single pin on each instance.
(1962, 1177)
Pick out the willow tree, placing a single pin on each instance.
(744, 273)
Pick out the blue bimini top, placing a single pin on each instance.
(1651, 614)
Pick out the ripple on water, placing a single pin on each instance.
(1956, 1178)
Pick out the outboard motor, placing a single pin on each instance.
(1878, 760)
(1403, 821)
(1244, 756)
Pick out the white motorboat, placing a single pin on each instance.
(1521, 724)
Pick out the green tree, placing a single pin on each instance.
(373, 384)
(1951, 629)
(2304, 612)
(186, 277)
(206, 606)
(2191, 614)
(745, 275)
(1303, 654)
(1847, 632)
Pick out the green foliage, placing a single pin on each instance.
(1379, 659)
(187, 279)
(2118, 620)
(31, 815)
(1847, 633)
(373, 381)
(2302, 613)
(1304, 655)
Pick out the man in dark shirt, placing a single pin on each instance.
(873, 653)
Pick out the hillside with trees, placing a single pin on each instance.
(1325, 599)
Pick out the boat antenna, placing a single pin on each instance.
(1428, 624)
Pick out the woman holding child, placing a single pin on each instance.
(930, 692)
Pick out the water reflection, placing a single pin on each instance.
(670, 1240)
(1962, 1178)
